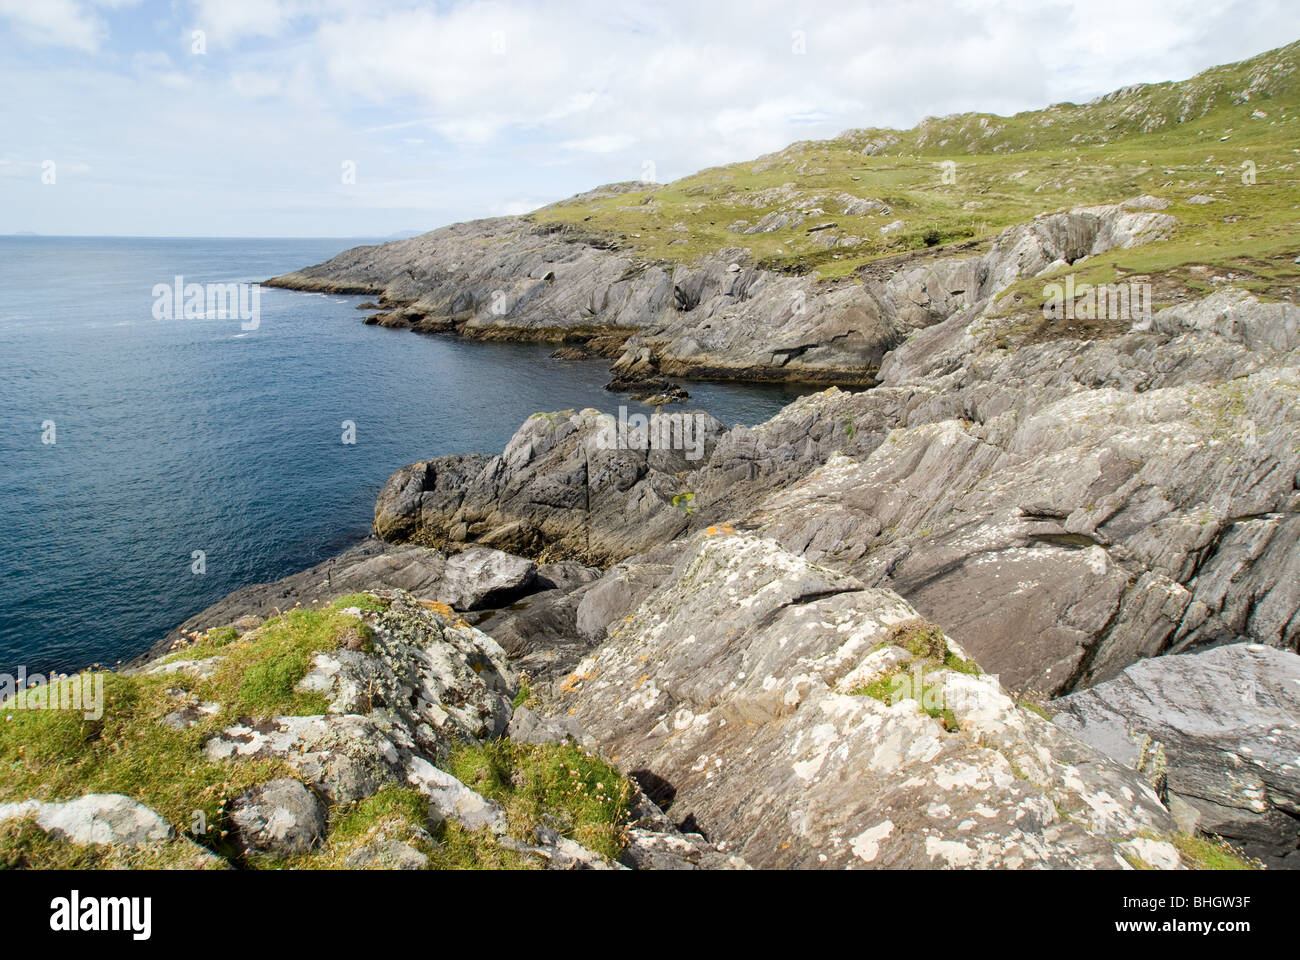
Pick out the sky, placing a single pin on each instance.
(327, 118)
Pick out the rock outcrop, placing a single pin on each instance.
(722, 317)
(1218, 732)
(1065, 508)
(735, 696)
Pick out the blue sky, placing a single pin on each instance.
(450, 111)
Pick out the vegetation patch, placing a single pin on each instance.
(831, 206)
(60, 755)
(257, 675)
(1211, 853)
(25, 846)
(1035, 707)
(922, 685)
(563, 787)
(362, 601)
(921, 679)
(925, 641)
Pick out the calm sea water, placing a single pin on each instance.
(175, 436)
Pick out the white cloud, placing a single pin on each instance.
(449, 107)
(60, 23)
(518, 206)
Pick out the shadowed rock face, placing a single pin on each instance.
(1219, 730)
(729, 693)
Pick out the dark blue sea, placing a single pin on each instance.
(176, 436)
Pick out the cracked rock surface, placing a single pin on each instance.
(730, 696)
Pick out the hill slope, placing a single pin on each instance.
(812, 263)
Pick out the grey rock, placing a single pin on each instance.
(704, 319)
(282, 818)
(479, 577)
(344, 758)
(98, 818)
(729, 693)
(1145, 484)
(527, 727)
(449, 799)
(430, 681)
(386, 854)
(1219, 730)
(564, 482)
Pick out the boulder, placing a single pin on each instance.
(98, 818)
(1219, 731)
(282, 818)
(480, 577)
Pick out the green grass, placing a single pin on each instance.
(54, 755)
(461, 849)
(933, 654)
(395, 813)
(924, 640)
(1037, 708)
(1202, 853)
(25, 846)
(1163, 140)
(362, 601)
(578, 795)
(257, 675)
(525, 693)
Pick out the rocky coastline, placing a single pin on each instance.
(1019, 588)
(1047, 535)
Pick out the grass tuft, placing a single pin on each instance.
(577, 794)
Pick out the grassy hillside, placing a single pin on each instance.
(835, 206)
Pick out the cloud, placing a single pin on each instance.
(518, 205)
(449, 107)
(59, 23)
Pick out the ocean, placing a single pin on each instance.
(149, 467)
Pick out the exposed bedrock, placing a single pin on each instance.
(1063, 509)
(722, 318)
(1217, 731)
(734, 693)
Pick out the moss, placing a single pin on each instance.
(925, 641)
(1136, 862)
(932, 654)
(562, 786)
(1037, 708)
(525, 694)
